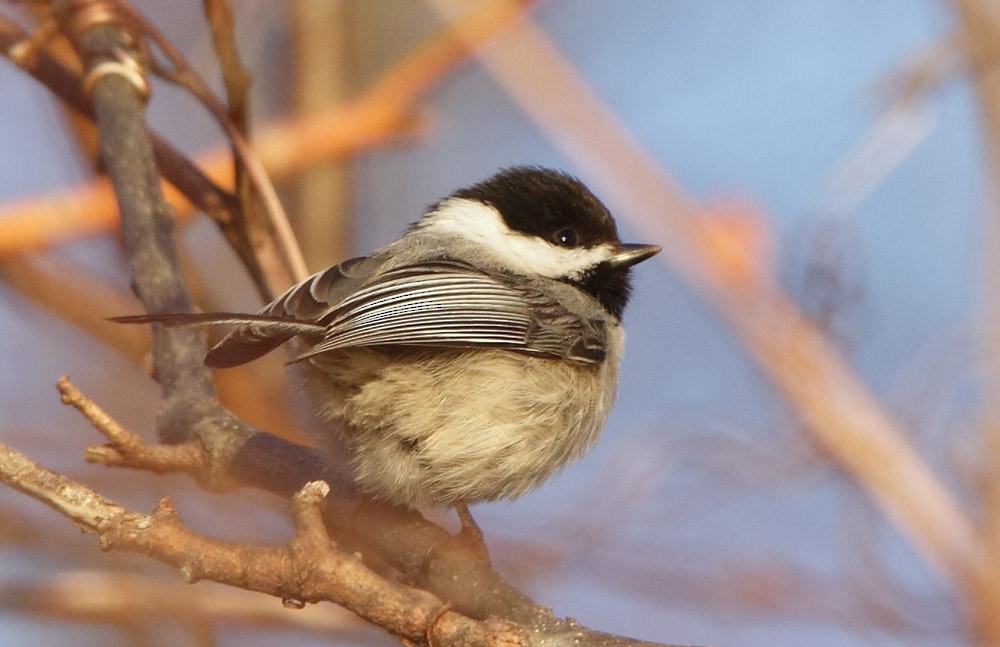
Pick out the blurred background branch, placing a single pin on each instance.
(725, 264)
(700, 472)
(981, 21)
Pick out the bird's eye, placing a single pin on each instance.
(565, 238)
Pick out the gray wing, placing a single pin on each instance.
(451, 304)
(303, 303)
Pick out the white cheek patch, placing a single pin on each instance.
(525, 254)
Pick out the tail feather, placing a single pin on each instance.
(238, 350)
(256, 336)
(262, 323)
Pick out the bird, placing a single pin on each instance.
(470, 359)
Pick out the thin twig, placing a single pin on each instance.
(66, 83)
(235, 75)
(183, 74)
(236, 79)
(126, 449)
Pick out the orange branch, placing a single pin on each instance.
(69, 291)
(384, 113)
(90, 208)
(981, 23)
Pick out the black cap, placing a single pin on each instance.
(546, 203)
(559, 208)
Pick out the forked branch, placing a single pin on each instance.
(206, 440)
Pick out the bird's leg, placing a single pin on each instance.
(470, 530)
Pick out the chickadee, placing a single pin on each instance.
(473, 357)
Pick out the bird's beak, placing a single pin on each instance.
(630, 254)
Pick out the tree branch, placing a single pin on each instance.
(310, 568)
(204, 193)
(221, 450)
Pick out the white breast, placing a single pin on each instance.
(437, 427)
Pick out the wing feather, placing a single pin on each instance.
(304, 302)
(442, 303)
(446, 303)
